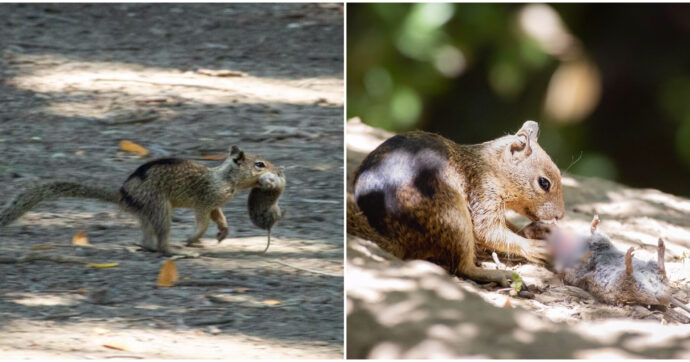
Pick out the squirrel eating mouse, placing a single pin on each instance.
(419, 195)
(158, 186)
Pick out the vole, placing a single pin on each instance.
(158, 186)
(593, 263)
(263, 202)
(422, 196)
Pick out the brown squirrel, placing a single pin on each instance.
(158, 186)
(421, 196)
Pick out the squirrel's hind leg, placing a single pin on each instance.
(159, 215)
(149, 236)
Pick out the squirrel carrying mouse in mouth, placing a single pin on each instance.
(156, 187)
(419, 195)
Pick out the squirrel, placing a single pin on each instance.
(419, 195)
(158, 186)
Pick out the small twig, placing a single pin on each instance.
(145, 119)
(171, 84)
(680, 304)
(499, 265)
(211, 322)
(204, 283)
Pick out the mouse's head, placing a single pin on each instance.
(532, 181)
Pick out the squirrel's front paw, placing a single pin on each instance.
(536, 230)
(222, 234)
(538, 252)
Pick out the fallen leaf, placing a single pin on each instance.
(80, 239)
(116, 346)
(130, 146)
(42, 247)
(507, 303)
(168, 274)
(272, 302)
(102, 265)
(214, 157)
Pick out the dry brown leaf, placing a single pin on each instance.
(272, 302)
(102, 265)
(80, 239)
(507, 303)
(130, 146)
(116, 346)
(168, 274)
(42, 247)
(214, 157)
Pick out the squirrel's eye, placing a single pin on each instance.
(259, 164)
(544, 184)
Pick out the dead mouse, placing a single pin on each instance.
(593, 263)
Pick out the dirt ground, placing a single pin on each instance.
(415, 309)
(182, 80)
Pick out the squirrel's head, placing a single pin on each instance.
(247, 169)
(532, 182)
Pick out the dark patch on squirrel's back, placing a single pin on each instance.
(419, 158)
(140, 172)
(427, 181)
(373, 206)
(128, 201)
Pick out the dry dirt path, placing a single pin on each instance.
(75, 80)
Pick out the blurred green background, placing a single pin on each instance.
(609, 84)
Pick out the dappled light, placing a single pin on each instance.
(542, 22)
(29, 299)
(90, 94)
(573, 91)
(443, 316)
(62, 74)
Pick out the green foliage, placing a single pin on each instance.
(517, 283)
(473, 72)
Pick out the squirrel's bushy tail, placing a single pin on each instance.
(29, 198)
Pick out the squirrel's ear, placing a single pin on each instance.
(531, 129)
(520, 148)
(236, 154)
